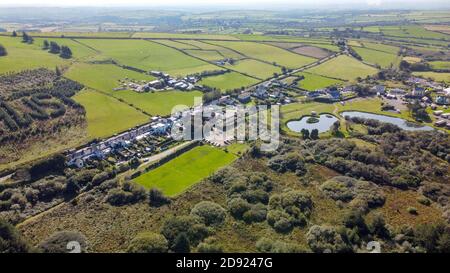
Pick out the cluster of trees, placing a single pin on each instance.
(180, 234)
(212, 95)
(374, 127)
(291, 161)
(307, 135)
(288, 210)
(63, 51)
(418, 112)
(361, 194)
(247, 194)
(3, 51)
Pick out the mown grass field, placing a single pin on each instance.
(106, 115)
(376, 57)
(23, 56)
(147, 55)
(441, 77)
(158, 103)
(313, 82)
(184, 171)
(228, 81)
(255, 68)
(268, 53)
(104, 77)
(343, 67)
(440, 65)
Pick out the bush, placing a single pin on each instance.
(237, 207)
(288, 162)
(156, 198)
(129, 193)
(181, 244)
(148, 242)
(322, 239)
(364, 194)
(210, 213)
(265, 245)
(11, 240)
(288, 210)
(210, 246)
(412, 210)
(192, 227)
(59, 242)
(257, 213)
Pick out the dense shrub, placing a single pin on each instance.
(292, 162)
(194, 229)
(347, 189)
(156, 198)
(289, 209)
(210, 213)
(129, 193)
(59, 242)
(148, 242)
(52, 165)
(266, 245)
(322, 239)
(210, 246)
(11, 241)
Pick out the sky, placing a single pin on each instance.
(255, 3)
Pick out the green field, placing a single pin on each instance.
(24, 56)
(107, 116)
(183, 36)
(268, 53)
(376, 57)
(412, 31)
(175, 44)
(158, 103)
(440, 77)
(255, 68)
(104, 77)
(313, 82)
(206, 55)
(179, 174)
(147, 55)
(381, 47)
(343, 67)
(225, 52)
(440, 65)
(228, 81)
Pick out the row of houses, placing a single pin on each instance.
(157, 127)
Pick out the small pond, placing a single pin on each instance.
(323, 125)
(403, 124)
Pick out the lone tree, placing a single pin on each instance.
(305, 133)
(314, 134)
(27, 38)
(54, 48)
(66, 53)
(3, 51)
(14, 33)
(46, 45)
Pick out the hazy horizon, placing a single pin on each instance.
(248, 4)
